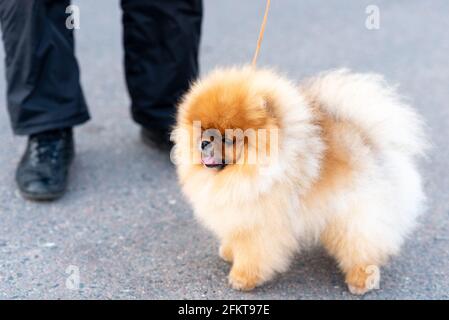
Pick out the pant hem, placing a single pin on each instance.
(74, 121)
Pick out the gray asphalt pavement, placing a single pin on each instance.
(124, 223)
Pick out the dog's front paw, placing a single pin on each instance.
(244, 279)
(360, 280)
(225, 252)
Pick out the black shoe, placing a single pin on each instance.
(42, 173)
(159, 139)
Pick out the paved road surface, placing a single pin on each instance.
(124, 223)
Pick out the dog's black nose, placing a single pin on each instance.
(204, 144)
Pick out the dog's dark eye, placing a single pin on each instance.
(228, 141)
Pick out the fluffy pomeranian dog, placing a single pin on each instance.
(271, 167)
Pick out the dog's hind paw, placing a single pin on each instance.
(360, 280)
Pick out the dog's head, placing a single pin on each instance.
(227, 120)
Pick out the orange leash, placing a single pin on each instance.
(262, 32)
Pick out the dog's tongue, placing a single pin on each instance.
(208, 160)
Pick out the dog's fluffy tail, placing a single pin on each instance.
(374, 106)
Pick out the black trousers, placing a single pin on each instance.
(161, 40)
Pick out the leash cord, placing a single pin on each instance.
(261, 33)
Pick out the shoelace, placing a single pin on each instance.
(44, 149)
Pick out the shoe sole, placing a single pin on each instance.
(42, 197)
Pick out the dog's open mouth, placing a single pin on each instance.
(211, 162)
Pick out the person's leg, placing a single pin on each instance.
(44, 95)
(161, 40)
(43, 90)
